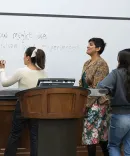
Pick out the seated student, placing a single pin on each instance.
(27, 77)
(118, 84)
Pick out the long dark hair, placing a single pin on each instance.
(124, 62)
(39, 58)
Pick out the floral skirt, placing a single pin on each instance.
(95, 124)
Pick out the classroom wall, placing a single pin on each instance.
(62, 29)
(118, 8)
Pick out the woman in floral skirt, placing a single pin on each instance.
(96, 120)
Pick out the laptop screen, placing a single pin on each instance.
(65, 82)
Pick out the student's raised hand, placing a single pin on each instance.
(2, 63)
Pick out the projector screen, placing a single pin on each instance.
(64, 41)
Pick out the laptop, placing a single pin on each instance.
(57, 82)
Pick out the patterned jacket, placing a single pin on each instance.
(95, 72)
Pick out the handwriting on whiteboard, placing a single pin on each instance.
(22, 35)
(24, 39)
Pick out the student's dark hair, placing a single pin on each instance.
(124, 62)
(39, 58)
(99, 43)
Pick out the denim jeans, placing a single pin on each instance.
(17, 127)
(119, 133)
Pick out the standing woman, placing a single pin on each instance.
(118, 84)
(95, 125)
(27, 77)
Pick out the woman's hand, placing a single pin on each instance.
(2, 63)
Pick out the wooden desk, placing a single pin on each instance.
(7, 106)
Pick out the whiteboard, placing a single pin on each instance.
(113, 8)
(64, 41)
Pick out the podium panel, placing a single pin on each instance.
(53, 103)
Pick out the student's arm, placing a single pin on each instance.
(109, 82)
(6, 82)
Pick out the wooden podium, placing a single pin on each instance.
(57, 111)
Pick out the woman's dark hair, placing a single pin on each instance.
(39, 58)
(99, 43)
(124, 62)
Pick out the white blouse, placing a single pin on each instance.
(26, 77)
